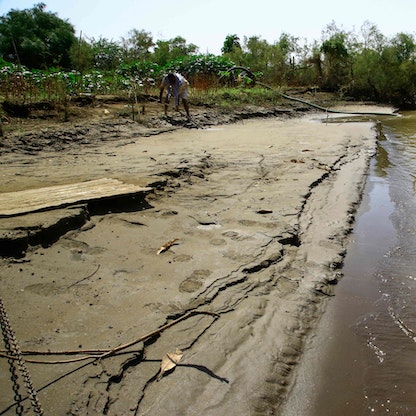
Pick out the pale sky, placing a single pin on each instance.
(207, 23)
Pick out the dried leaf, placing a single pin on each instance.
(169, 361)
(324, 167)
(167, 245)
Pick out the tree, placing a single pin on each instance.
(373, 39)
(82, 55)
(169, 50)
(36, 38)
(256, 53)
(368, 75)
(282, 58)
(232, 50)
(107, 54)
(398, 64)
(161, 53)
(288, 44)
(138, 44)
(405, 46)
(367, 66)
(179, 48)
(336, 63)
(231, 43)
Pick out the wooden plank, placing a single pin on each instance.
(21, 202)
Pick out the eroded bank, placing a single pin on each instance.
(261, 211)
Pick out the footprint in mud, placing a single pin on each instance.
(96, 250)
(236, 236)
(166, 213)
(79, 249)
(287, 285)
(195, 281)
(46, 289)
(218, 242)
(78, 255)
(237, 256)
(169, 308)
(182, 258)
(74, 244)
(249, 223)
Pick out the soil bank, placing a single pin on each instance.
(260, 209)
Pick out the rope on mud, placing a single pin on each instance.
(15, 354)
(289, 97)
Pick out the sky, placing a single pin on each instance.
(207, 23)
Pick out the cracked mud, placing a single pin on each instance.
(261, 211)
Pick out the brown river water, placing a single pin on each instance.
(362, 361)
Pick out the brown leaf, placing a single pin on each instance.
(167, 245)
(169, 361)
(324, 167)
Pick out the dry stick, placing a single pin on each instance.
(109, 352)
(85, 278)
(73, 360)
(67, 352)
(158, 331)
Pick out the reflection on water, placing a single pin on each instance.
(404, 126)
(365, 351)
(382, 161)
(396, 322)
(388, 327)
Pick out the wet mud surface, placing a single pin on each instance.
(259, 211)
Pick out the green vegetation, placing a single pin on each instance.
(41, 59)
(35, 38)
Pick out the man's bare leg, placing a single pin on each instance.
(186, 106)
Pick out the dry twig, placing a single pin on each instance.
(85, 278)
(167, 245)
(97, 354)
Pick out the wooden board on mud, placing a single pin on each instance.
(31, 200)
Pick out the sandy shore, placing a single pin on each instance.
(260, 209)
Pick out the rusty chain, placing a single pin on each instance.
(14, 351)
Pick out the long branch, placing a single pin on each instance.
(98, 354)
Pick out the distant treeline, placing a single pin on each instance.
(37, 48)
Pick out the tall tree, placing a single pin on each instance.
(168, 50)
(36, 38)
(137, 45)
(373, 39)
(107, 54)
(233, 50)
(231, 43)
(337, 59)
(405, 47)
(82, 55)
(256, 55)
(281, 66)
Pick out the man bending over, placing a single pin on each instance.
(177, 86)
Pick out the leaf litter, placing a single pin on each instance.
(169, 361)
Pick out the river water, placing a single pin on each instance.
(362, 360)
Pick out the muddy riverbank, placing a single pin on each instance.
(260, 209)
